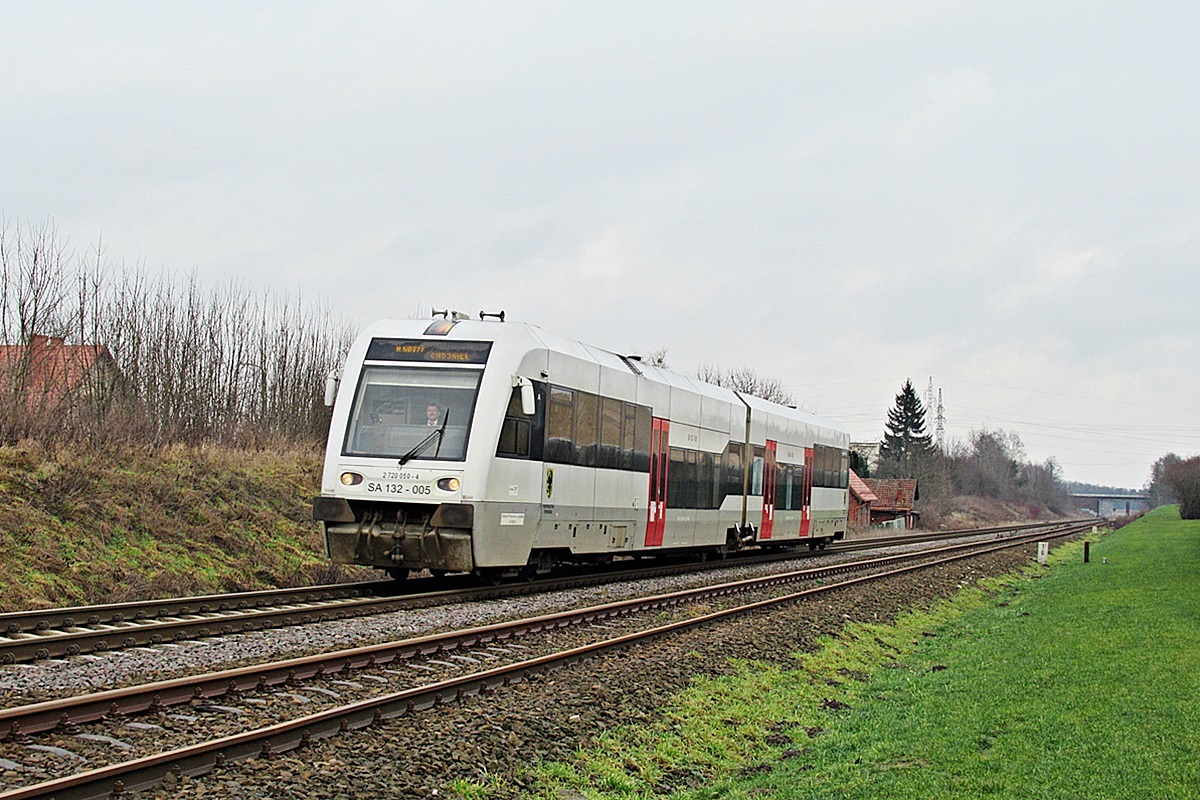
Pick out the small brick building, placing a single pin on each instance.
(861, 498)
(47, 378)
(894, 500)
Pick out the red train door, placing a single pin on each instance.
(657, 514)
(770, 475)
(806, 485)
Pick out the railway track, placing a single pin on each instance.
(473, 650)
(57, 633)
(53, 633)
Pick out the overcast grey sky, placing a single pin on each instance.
(1002, 196)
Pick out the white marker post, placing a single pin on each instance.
(1043, 552)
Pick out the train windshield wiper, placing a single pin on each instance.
(438, 434)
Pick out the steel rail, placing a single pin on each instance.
(113, 613)
(21, 721)
(911, 538)
(115, 780)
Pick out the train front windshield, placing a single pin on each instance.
(412, 413)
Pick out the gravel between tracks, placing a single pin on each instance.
(551, 715)
(27, 683)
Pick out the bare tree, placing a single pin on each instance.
(747, 381)
(155, 359)
(1042, 484)
(657, 357)
(1183, 479)
(989, 464)
(1158, 492)
(33, 288)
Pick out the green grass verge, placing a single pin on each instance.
(1073, 680)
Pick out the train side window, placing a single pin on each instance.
(833, 466)
(731, 471)
(691, 498)
(587, 428)
(641, 439)
(628, 434)
(707, 482)
(560, 446)
(675, 478)
(681, 479)
(845, 473)
(756, 473)
(784, 498)
(611, 416)
(718, 486)
(514, 431)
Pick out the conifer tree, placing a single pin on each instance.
(905, 441)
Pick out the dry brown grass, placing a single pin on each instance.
(77, 526)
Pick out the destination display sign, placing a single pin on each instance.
(425, 350)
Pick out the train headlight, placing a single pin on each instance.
(448, 484)
(351, 479)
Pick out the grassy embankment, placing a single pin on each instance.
(77, 527)
(1072, 680)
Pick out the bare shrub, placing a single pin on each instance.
(106, 354)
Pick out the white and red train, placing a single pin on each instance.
(496, 448)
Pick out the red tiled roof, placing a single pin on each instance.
(895, 494)
(860, 489)
(50, 368)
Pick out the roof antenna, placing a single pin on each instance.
(443, 314)
(485, 315)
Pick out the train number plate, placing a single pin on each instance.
(400, 489)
